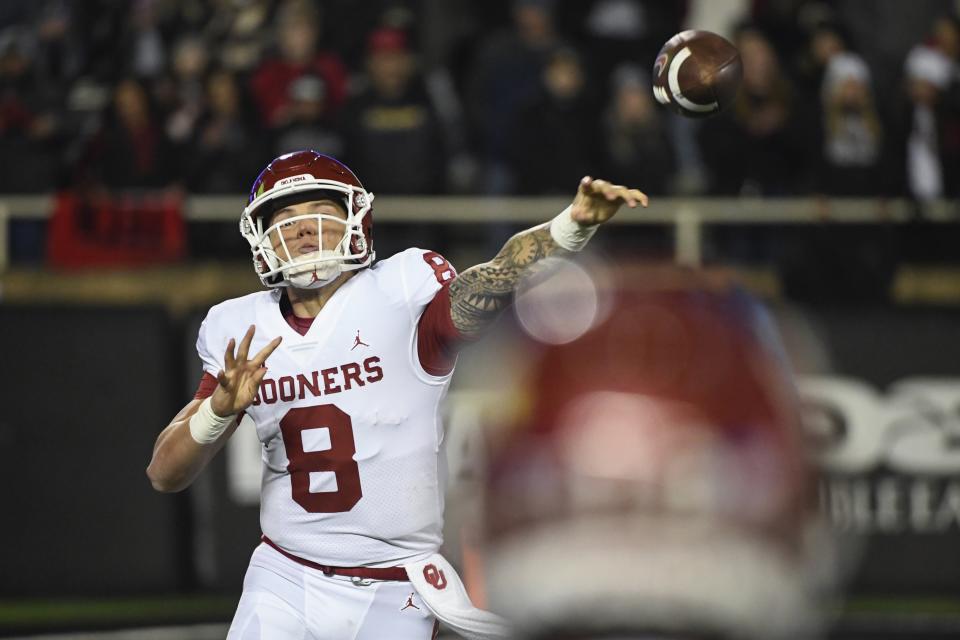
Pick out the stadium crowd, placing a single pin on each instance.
(449, 96)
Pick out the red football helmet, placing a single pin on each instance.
(302, 176)
(651, 476)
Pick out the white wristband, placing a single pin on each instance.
(206, 426)
(570, 234)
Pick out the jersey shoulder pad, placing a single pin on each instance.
(228, 319)
(414, 276)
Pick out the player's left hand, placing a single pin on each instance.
(598, 200)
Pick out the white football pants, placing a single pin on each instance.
(284, 600)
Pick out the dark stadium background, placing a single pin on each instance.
(130, 132)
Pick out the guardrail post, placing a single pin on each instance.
(687, 240)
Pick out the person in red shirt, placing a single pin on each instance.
(298, 30)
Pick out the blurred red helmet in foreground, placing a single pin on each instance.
(651, 477)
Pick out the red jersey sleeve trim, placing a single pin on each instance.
(208, 384)
(438, 340)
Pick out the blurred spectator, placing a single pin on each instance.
(144, 48)
(226, 149)
(98, 25)
(505, 77)
(240, 31)
(826, 40)
(883, 31)
(184, 91)
(615, 32)
(85, 104)
(60, 53)
(130, 151)
(783, 22)
(557, 140)
(718, 16)
(637, 148)
(450, 29)
(392, 133)
(353, 21)
(309, 126)
(762, 147)
(932, 138)
(852, 132)
(297, 34)
(29, 123)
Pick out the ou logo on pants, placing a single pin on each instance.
(434, 577)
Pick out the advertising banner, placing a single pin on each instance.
(884, 421)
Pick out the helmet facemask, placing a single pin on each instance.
(273, 258)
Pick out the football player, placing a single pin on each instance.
(340, 366)
(651, 481)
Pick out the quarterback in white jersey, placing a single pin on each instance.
(341, 366)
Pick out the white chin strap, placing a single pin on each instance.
(316, 275)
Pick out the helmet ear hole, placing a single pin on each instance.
(358, 244)
(261, 264)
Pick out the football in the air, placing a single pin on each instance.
(697, 73)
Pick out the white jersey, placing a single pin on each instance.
(349, 420)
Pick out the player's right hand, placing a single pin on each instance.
(598, 200)
(240, 378)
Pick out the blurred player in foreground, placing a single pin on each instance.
(341, 367)
(649, 480)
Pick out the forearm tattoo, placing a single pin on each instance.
(481, 293)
